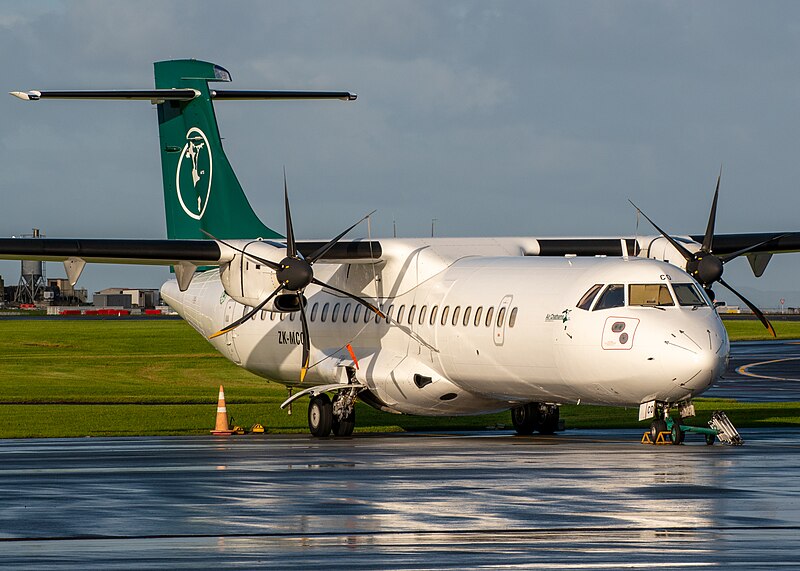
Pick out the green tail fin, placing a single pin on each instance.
(201, 191)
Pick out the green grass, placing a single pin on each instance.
(61, 378)
(752, 329)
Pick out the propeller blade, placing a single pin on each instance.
(687, 255)
(268, 263)
(248, 315)
(324, 249)
(291, 247)
(728, 257)
(351, 296)
(708, 239)
(306, 337)
(752, 307)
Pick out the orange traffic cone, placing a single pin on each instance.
(222, 415)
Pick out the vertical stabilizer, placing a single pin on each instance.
(201, 191)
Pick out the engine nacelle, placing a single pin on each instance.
(248, 281)
(661, 249)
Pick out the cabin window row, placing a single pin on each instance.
(414, 315)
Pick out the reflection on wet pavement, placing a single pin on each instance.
(590, 499)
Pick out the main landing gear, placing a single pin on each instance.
(337, 416)
(535, 416)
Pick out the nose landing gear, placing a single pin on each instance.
(666, 430)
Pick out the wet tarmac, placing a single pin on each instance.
(761, 371)
(576, 500)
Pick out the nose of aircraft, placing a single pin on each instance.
(696, 352)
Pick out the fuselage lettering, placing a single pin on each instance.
(290, 338)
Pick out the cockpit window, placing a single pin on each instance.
(588, 297)
(689, 295)
(653, 295)
(612, 296)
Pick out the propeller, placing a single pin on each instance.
(705, 266)
(294, 273)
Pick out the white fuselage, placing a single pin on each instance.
(451, 345)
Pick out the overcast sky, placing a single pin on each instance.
(495, 118)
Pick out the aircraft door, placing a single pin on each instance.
(230, 316)
(500, 320)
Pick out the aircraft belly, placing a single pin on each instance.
(412, 387)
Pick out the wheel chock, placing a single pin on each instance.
(257, 428)
(661, 438)
(238, 430)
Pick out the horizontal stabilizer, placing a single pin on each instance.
(155, 95)
(161, 95)
(236, 95)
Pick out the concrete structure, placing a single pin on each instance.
(136, 297)
(31, 280)
(122, 300)
(65, 293)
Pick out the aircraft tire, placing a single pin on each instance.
(548, 422)
(320, 415)
(676, 434)
(525, 418)
(658, 426)
(344, 427)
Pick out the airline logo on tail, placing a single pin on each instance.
(193, 175)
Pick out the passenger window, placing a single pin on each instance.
(291, 315)
(478, 313)
(489, 314)
(389, 314)
(466, 315)
(272, 316)
(588, 297)
(356, 313)
(445, 312)
(346, 313)
(400, 313)
(688, 295)
(434, 311)
(456, 313)
(422, 313)
(612, 296)
(411, 313)
(314, 311)
(324, 312)
(263, 314)
(335, 313)
(501, 317)
(512, 319)
(652, 295)
(367, 315)
(283, 316)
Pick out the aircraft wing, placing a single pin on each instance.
(153, 252)
(185, 256)
(158, 252)
(761, 243)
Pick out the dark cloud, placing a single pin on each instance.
(534, 118)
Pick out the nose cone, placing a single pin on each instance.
(696, 353)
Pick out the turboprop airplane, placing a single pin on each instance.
(439, 326)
